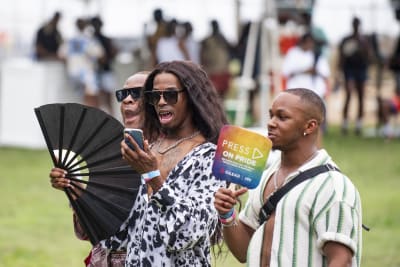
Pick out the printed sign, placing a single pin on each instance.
(241, 156)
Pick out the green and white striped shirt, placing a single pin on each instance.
(321, 209)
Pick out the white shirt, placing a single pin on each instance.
(298, 60)
(168, 49)
(321, 209)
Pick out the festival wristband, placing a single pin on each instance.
(229, 220)
(150, 175)
(232, 223)
(227, 215)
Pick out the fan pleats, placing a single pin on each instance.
(85, 141)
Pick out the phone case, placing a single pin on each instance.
(136, 134)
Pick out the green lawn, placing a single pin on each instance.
(35, 220)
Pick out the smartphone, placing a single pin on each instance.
(137, 135)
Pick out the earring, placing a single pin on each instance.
(304, 134)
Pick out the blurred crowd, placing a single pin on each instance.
(306, 59)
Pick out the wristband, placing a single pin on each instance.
(228, 214)
(232, 223)
(150, 175)
(228, 220)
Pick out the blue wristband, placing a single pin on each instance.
(150, 175)
(227, 215)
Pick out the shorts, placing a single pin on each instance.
(85, 81)
(221, 82)
(106, 81)
(358, 75)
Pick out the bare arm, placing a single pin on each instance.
(338, 255)
(237, 237)
(58, 181)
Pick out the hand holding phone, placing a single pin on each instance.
(137, 135)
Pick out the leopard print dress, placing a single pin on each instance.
(173, 226)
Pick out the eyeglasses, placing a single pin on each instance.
(170, 96)
(134, 92)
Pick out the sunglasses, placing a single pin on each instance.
(134, 92)
(170, 96)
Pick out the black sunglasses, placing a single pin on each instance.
(170, 96)
(134, 92)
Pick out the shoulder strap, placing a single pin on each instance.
(273, 200)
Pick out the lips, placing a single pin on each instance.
(132, 118)
(131, 113)
(271, 135)
(165, 116)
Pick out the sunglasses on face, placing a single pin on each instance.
(170, 96)
(134, 92)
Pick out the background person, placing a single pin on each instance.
(132, 116)
(81, 54)
(105, 71)
(48, 39)
(171, 46)
(318, 222)
(215, 57)
(190, 44)
(354, 53)
(303, 66)
(160, 31)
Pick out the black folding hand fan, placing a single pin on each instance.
(85, 141)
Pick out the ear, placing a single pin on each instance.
(311, 126)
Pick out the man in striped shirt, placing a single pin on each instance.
(318, 222)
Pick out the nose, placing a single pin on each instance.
(128, 100)
(271, 123)
(162, 101)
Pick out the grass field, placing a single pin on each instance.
(35, 220)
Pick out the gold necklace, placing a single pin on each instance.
(275, 179)
(175, 144)
(276, 173)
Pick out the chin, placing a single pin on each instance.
(132, 124)
(275, 147)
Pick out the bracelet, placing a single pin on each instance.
(227, 215)
(150, 175)
(232, 223)
(229, 220)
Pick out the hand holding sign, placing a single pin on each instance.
(241, 156)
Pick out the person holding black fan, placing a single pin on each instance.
(132, 117)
